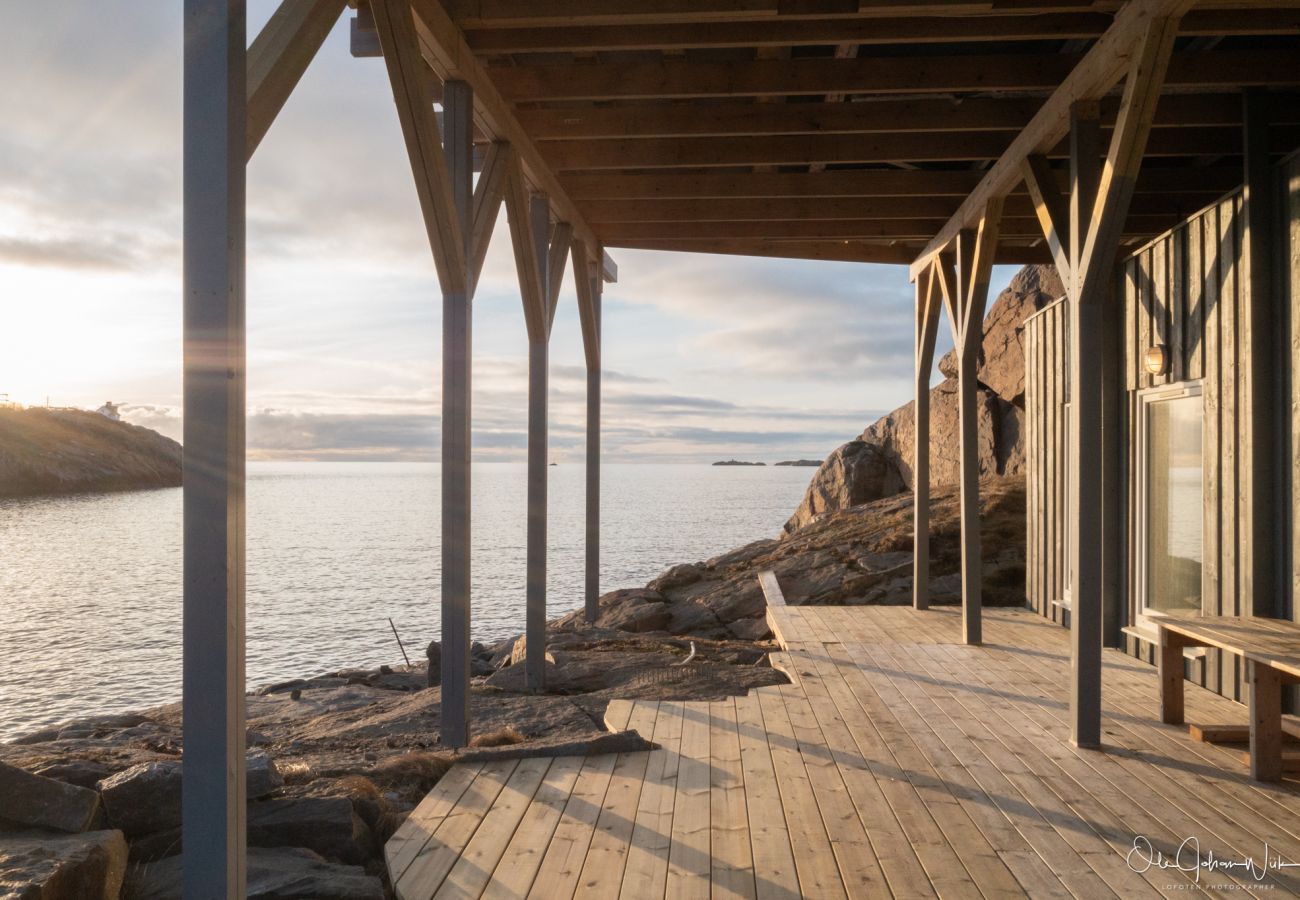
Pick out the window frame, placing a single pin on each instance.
(1145, 399)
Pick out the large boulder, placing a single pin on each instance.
(35, 801)
(286, 873)
(879, 463)
(328, 825)
(147, 798)
(39, 865)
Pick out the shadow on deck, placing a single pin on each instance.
(899, 762)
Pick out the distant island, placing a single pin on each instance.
(808, 463)
(68, 451)
(737, 462)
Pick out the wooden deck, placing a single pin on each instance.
(898, 762)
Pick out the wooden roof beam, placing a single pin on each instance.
(916, 230)
(971, 114)
(761, 209)
(445, 50)
(872, 31)
(1100, 69)
(668, 153)
(891, 253)
(704, 185)
(1205, 69)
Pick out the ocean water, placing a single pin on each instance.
(91, 584)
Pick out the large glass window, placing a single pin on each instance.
(1173, 515)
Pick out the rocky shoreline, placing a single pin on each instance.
(337, 761)
(67, 451)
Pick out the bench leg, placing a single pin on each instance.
(1265, 685)
(1170, 666)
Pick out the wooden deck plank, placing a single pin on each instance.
(814, 859)
(472, 871)
(558, 875)
(646, 872)
(732, 874)
(774, 867)
(431, 865)
(423, 821)
(602, 870)
(898, 762)
(523, 856)
(689, 854)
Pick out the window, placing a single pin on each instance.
(1171, 515)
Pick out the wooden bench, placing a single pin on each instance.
(1271, 651)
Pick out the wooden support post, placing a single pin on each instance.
(587, 277)
(538, 385)
(927, 323)
(1169, 664)
(457, 332)
(1094, 246)
(1265, 459)
(1264, 685)
(965, 288)
(215, 141)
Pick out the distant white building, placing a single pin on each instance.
(109, 411)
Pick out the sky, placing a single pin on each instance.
(705, 357)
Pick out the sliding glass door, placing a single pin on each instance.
(1171, 515)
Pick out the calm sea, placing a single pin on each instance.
(91, 584)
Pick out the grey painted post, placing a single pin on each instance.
(215, 122)
(1266, 459)
(457, 320)
(1087, 350)
(538, 362)
(968, 411)
(921, 466)
(593, 456)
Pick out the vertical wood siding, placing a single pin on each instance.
(1045, 367)
(1185, 290)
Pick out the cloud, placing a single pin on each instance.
(68, 253)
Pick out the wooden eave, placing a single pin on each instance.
(835, 129)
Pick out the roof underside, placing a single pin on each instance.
(849, 129)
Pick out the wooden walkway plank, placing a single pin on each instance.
(814, 859)
(689, 856)
(646, 872)
(732, 873)
(602, 871)
(1104, 791)
(523, 855)
(431, 865)
(472, 871)
(423, 821)
(774, 867)
(557, 877)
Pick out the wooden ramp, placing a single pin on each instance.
(897, 763)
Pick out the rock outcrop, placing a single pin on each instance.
(64, 451)
(48, 866)
(879, 462)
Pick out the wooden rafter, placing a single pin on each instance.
(488, 195)
(1052, 209)
(886, 116)
(1099, 70)
(586, 283)
(408, 76)
(1217, 69)
(709, 185)
(280, 55)
(875, 31)
(444, 48)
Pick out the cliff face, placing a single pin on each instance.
(61, 451)
(879, 462)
